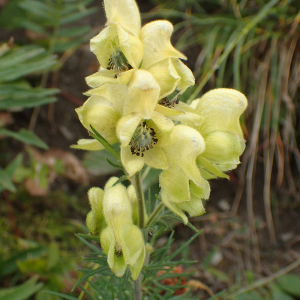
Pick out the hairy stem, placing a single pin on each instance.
(136, 182)
(137, 289)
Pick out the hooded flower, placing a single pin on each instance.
(122, 48)
(118, 47)
(143, 141)
(220, 110)
(121, 240)
(182, 186)
(103, 111)
(95, 219)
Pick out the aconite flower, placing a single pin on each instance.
(95, 219)
(143, 141)
(118, 47)
(123, 47)
(121, 240)
(220, 111)
(182, 186)
(103, 111)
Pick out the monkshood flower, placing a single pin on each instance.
(182, 186)
(95, 219)
(118, 47)
(121, 240)
(144, 141)
(103, 111)
(220, 111)
(123, 47)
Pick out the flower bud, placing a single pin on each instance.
(95, 219)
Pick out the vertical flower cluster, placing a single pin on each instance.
(134, 101)
(112, 217)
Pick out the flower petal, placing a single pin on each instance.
(133, 248)
(117, 210)
(163, 128)
(103, 44)
(88, 144)
(165, 75)
(168, 112)
(115, 93)
(127, 126)
(155, 37)
(101, 77)
(132, 163)
(176, 184)
(189, 116)
(102, 115)
(223, 147)
(125, 13)
(185, 145)
(174, 207)
(221, 110)
(131, 46)
(156, 158)
(108, 243)
(143, 93)
(186, 75)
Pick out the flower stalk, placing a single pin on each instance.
(136, 182)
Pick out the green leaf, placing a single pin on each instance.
(105, 143)
(25, 136)
(10, 266)
(73, 32)
(38, 8)
(5, 182)
(97, 162)
(12, 167)
(53, 255)
(60, 295)
(21, 96)
(23, 291)
(77, 16)
(290, 283)
(281, 296)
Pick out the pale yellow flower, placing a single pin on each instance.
(143, 141)
(182, 186)
(103, 111)
(121, 240)
(95, 219)
(220, 110)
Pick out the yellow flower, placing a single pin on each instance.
(121, 240)
(95, 219)
(220, 111)
(118, 47)
(142, 141)
(103, 111)
(182, 186)
(123, 47)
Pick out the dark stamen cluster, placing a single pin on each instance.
(168, 103)
(118, 62)
(118, 253)
(143, 139)
(171, 100)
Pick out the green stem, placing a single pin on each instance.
(136, 182)
(137, 288)
(154, 214)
